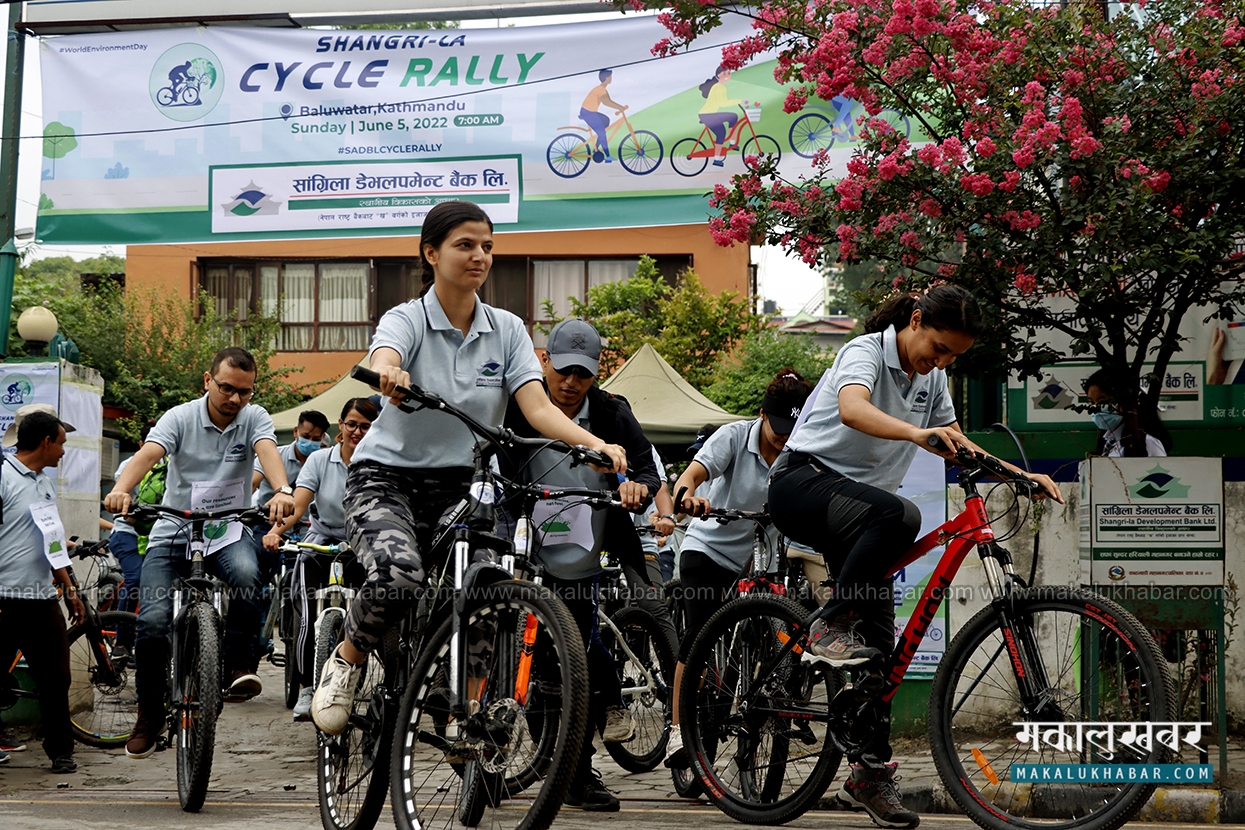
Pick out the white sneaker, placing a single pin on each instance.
(676, 756)
(334, 697)
(302, 709)
(619, 726)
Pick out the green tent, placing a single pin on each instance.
(667, 406)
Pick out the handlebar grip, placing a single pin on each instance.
(678, 498)
(365, 375)
(937, 443)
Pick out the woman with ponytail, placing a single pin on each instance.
(713, 90)
(833, 489)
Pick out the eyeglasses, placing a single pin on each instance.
(229, 391)
(355, 427)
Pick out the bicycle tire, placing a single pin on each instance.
(649, 711)
(684, 162)
(199, 670)
(1126, 652)
(568, 155)
(290, 666)
(640, 154)
(761, 145)
(329, 632)
(762, 783)
(190, 95)
(809, 133)
(164, 97)
(101, 714)
(686, 784)
(352, 769)
(427, 788)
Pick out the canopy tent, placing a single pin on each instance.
(330, 402)
(668, 408)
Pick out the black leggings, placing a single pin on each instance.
(862, 532)
(706, 588)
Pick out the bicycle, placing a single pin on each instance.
(187, 93)
(102, 710)
(1025, 658)
(639, 151)
(691, 156)
(281, 623)
(815, 131)
(461, 745)
(196, 672)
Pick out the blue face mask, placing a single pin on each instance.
(1107, 421)
(306, 446)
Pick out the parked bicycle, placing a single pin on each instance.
(196, 683)
(1035, 654)
(691, 156)
(639, 151)
(464, 749)
(816, 130)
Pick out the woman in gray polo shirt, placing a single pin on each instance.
(834, 489)
(411, 467)
(322, 481)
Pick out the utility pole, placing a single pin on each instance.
(11, 127)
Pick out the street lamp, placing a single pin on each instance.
(37, 326)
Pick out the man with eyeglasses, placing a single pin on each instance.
(211, 443)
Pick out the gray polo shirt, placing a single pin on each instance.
(120, 524)
(871, 361)
(325, 475)
(292, 468)
(553, 469)
(25, 572)
(737, 481)
(199, 451)
(477, 373)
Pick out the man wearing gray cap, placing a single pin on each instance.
(34, 558)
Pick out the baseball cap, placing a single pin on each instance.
(10, 434)
(574, 343)
(783, 410)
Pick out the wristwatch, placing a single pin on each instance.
(286, 490)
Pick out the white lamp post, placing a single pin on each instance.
(37, 326)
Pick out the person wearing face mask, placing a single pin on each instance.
(1104, 390)
(308, 437)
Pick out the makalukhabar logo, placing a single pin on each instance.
(186, 82)
(252, 201)
(1053, 395)
(1158, 484)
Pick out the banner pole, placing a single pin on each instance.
(11, 125)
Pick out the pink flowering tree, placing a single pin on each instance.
(1077, 174)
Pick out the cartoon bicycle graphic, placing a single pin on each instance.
(640, 151)
(183, 88)
(723, 132)
(820, 129)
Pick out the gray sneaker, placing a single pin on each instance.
(619, 726)
(302, 709)
(837, 644)
(876, 791)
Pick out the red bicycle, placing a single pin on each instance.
(766, 729)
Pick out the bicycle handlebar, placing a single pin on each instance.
(971, 460)
(593, 498)
(500, 436)
(145, 512)
(723, 514)
(323, 550)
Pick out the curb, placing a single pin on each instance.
(1165, 805)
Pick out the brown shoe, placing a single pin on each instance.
(243, 685)
(145, 736)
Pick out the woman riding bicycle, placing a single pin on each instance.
(735, 460)
(322, 480)
(411, 467)
(833, 489)
(713, 90)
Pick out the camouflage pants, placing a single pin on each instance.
(391, 514)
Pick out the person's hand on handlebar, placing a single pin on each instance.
(1048, 485)
(280, 506)
(632, 494)
(950, 439)
(117, 502)
(272, 540)
(391, 377)
(694, 505)
(616, 454)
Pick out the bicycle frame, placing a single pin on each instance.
(733, 138)
(610, 131)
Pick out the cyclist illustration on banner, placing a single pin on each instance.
(723, 130)
(639, 151)
(589, 113)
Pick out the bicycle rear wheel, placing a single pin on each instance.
(1091, 661)
(686, 784)
(102, 710)
(649, 704)
(199, 675)
(447, 773)
(352, 769)
(755, 727)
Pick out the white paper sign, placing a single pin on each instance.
(49, 523)
(563, 522)
(219, 495)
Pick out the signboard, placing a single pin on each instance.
(1152, 521)
(22, 384)
(926, 486)
(216, 133)
(1048, 400)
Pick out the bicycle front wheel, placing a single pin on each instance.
(640, 153)
(199, 676)
(568, 155)
(1083, 659)
(755, 727)
(102, 710)
(449, 771)
(646, 666)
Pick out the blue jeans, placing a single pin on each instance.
(124, 547)
(163, 564)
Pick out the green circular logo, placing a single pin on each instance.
(186, 82)
(16, 391)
